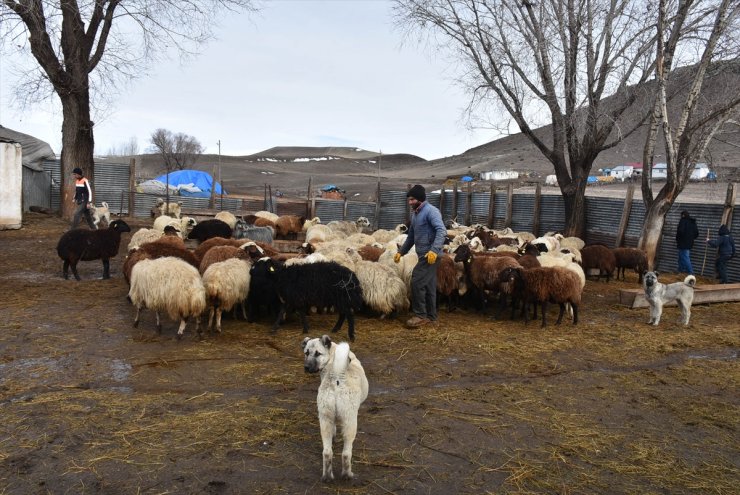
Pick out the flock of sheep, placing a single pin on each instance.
(343, 266)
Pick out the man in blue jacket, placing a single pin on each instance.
(427, 232)
(725, 245)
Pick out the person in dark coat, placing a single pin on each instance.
(83, 199)
(686, 232)
(725, 245)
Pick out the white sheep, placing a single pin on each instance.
(382, 288)
(267, 215)
(310, 223)
(183, 224)
(360, 239)
(142, 236)
(171, 285)
(311, 258)
(348, 228)
(228, 217)
(320, 233)
(405, 267)
(383, 235)
(226, 284)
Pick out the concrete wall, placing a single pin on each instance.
(11, 189)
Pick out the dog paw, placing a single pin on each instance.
(327, 478)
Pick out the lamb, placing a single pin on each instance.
(289, 226)
(543, 285)
(86, 245)
(382, 288)
(100, 213)
(170, 209)
(226, 283)
(160, 248)
(228, 217)
(210, 228)
(570, 242)
(627, 257)
(320, 285)
(599, 257)
(170, 285)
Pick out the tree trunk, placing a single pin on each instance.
(652, 229)
(78, 146)
(575, 209)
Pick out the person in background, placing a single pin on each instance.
(83, 198)
(725, 245)
(686, 232)
(427, 232)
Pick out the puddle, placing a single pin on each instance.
(724, 355)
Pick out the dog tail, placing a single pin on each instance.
(105, 205)
(341, 359)
(690, 280)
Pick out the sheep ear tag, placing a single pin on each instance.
(272, 269)
(470, 259)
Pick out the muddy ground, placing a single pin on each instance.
(91, 405)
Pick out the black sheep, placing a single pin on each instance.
(263, 288)
(323, 285)
(85, 245)
(210, 228)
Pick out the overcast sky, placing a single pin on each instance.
(298, 73)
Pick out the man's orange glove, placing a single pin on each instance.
(431, 257)
(397, 257)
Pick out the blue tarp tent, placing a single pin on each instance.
(466, 178)
(201, 181)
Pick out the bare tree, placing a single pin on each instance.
(709, 29)
(548, 62)
(178, 151)
(84, 49)
(128, 148)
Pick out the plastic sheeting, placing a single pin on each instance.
(197, 183)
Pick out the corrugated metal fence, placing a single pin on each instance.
(603, 215)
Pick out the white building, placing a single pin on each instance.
(622, 172)
(660, 171)
(700, 172)
(499, 175)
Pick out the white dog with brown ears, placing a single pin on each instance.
(343, 388)
(657, 294)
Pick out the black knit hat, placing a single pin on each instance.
(77, 171)
(417, 192)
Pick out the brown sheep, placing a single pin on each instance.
(369, 252)
(634, 258)
(222, 253)
(161, 248)
(206, 245)
(599, 257)
(543, 285)
(482, 270)
(289, 226)
(449, 279)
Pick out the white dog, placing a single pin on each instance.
(658, 294)
(100, 213)
(343, 388)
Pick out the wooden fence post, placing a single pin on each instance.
(626, 211)
(492, 207)
(408, 208)
(344, 210)
(308, 198)
(509, 204)
(729, 207)
(131, 188)
(536, 212)
(442, 202)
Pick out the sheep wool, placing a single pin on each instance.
(170, 285)
(226, 284)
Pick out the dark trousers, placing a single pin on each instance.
(424, 290)
(82, 210)
(721, 265)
